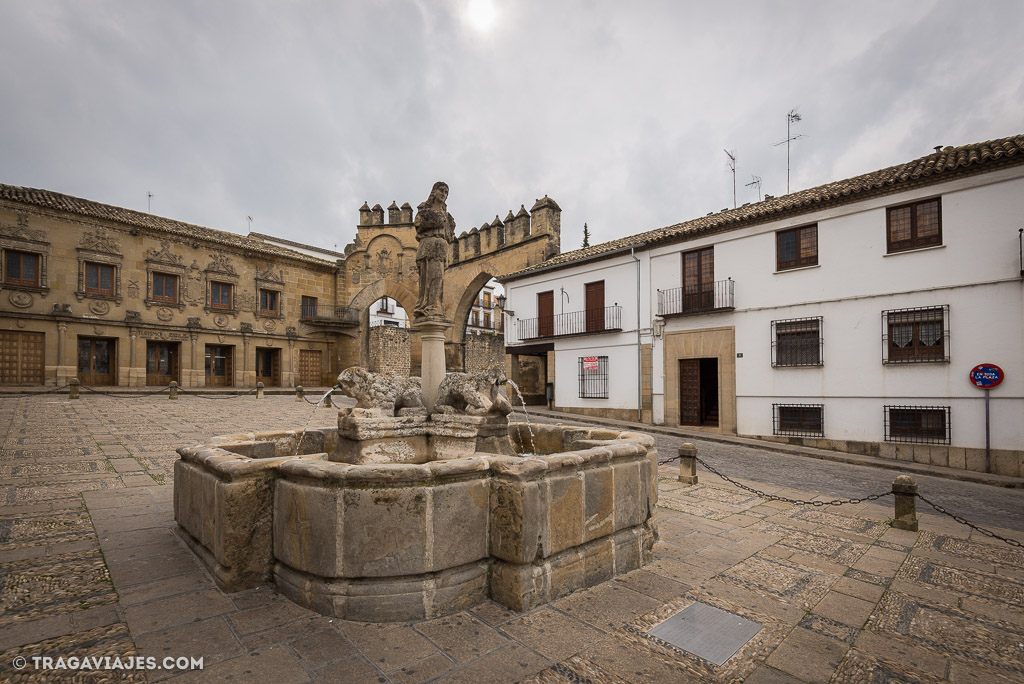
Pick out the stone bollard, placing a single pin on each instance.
(259, 390)
(688, 463)
(173, 393)
(904, 490)
(73, 390)
(298, 393)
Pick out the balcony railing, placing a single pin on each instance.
(575, 323)
(716, 296)
(325, 313)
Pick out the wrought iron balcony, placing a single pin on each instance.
(608, 319)
(705, 298)
(326, 314)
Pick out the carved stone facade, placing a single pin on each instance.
(180, 302)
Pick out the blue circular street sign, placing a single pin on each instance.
(986, 375)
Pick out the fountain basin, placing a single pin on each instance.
(381, 542)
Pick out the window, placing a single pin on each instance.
(384, 306)
(220, 295)
(917, 424)
(797, 247)
(913, 226)
(487, 300)
(487, 319)
(474, 319)
(698, 280)
(593, 377)
(797, 342)
(21, 268)
(165, 287)
(308, 307)
(918, 335)
(798, 420)
(593, 305)
(99, 279)
(269, 302)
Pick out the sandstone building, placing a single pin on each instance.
(119, 297)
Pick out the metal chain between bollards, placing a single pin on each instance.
(53, 390)
(216, 396)
(785, 499)
(964, 521)
(133, 395)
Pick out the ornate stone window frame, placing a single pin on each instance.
(220, 270)
(21, 238)
(165, 262)
(99, 248)
(268, 279)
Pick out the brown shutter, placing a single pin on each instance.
(546, 313)
(594, 298)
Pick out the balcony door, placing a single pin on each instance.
(546, 313)
(699, 279)
(594, 305)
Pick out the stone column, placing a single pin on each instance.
(193, 379)
(131, 357)
(62, 329)
(433, 363)
(688, 463)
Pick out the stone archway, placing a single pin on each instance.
(382, 262)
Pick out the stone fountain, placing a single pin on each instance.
(419, 504)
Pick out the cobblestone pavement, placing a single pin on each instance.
(91, 567)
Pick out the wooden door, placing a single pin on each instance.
(594, 306)
(309, 367)
(96, 361)
(268, 366)
(699, 279)
(161, 363)
(689, 391)
(546, 313)
(219, 363)
(21, 358)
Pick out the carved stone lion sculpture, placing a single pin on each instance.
(392, 394)
(475, 395)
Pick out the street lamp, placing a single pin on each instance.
(501, 300)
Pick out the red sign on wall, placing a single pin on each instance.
(986, 375)
(589, 363)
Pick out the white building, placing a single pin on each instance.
(485, 316)
(847, 316)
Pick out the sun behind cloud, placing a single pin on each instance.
(481, 15)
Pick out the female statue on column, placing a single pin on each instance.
(435, 230)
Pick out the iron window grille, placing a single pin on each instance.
(918, 335)
(594, 381)
(796, 247)
(798, 420)
(917, 424)
(797, 342)
(912, 226)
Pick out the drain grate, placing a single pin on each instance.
(705, 631)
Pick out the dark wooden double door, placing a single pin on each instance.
(698, 392)
(219, 364)
(97, 360)
(162, 363)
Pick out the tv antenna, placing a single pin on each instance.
(791, 118)
(249, 219)
(732, 167)
(149, 202)
(756, 182)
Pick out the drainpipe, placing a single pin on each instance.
(639, 356)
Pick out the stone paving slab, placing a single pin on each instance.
(93, 567)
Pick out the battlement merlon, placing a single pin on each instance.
(543, 219)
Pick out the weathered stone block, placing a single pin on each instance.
(627, 551)
(565, 573)
(518, 586)
(598, 561)
(599, 503)
(939, 455)
(957, 457)
(459, 520)
(975, 459)
(459, 588)
(630, 495)
(384, 531)
(565, 514)
(1005, 462)
(517, 520)
(904, 452)
(308, 528)
(922, 453)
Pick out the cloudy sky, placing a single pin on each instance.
(295, 112)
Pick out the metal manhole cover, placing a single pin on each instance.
(705, 631)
